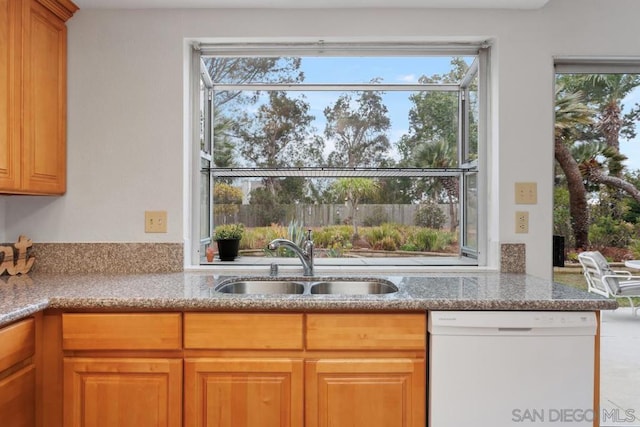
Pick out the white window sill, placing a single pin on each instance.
(243, 265)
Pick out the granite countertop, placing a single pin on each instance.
(21, 296)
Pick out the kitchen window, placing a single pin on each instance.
(377, 148)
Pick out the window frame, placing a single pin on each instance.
(477, 167)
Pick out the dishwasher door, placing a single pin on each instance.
(499, 369)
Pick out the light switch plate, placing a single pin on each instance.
(526, 193)
(155, 221)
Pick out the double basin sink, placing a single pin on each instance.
(313, 286)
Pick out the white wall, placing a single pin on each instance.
(3, 214)
(126, 106)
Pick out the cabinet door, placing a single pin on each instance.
(122, 392)
(365, 393)
(44, 101)
(18, 398)
(10, 107)
(241, 392)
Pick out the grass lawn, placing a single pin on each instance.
(577, 280)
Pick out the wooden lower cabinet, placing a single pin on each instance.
(365, 393)
(243, 392)
(18, 374)
(18, 398)
(123, 392)
(243, 370)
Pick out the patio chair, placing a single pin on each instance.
(602, 280)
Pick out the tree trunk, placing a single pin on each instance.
(577, 195)
(611, 123)
(596, 176)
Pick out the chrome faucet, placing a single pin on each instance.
(305, 253)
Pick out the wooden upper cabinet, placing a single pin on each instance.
(10, 71)
(33, 106)
(45, 104)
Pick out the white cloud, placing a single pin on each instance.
(407, 78)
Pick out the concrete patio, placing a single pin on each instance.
(620, 368)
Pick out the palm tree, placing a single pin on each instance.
(441, 154)
(608, 91)
(581, 162)
(572, 113)
(594, 170)
(354, 190)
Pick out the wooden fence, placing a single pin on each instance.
(331, 214)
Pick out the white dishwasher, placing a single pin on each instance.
(506, 368)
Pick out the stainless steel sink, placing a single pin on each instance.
(299, 286)
(261, 287)
(354, 287)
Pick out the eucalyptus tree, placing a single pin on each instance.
(278, 134)
(229, 104)
(241, 70)
(358, 127)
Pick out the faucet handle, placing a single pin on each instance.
(309, 234)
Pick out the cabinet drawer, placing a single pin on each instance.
(243, 331)
(139, 331)
(366, 331)
(18, 343)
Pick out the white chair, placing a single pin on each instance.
(602, 280)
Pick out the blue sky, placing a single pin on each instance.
(407, 70)
(363, 70)
(402, 70)
(631, 148)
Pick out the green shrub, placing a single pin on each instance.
(634, 247)
(377, 217)
(265, 208)
(572, 256)
(430, 215)
(562, 216)
(606, 231)
(387, 243)
(430, 240)
(388, 233)
(328, 237)
(425, 239)
(409, 247)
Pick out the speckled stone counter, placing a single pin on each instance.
(21, 296)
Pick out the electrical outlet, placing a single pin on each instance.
(526, 193)
(522, 222)
(155, 221)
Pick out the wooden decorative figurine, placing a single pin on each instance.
(23, 264)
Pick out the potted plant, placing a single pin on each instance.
(228, 236)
